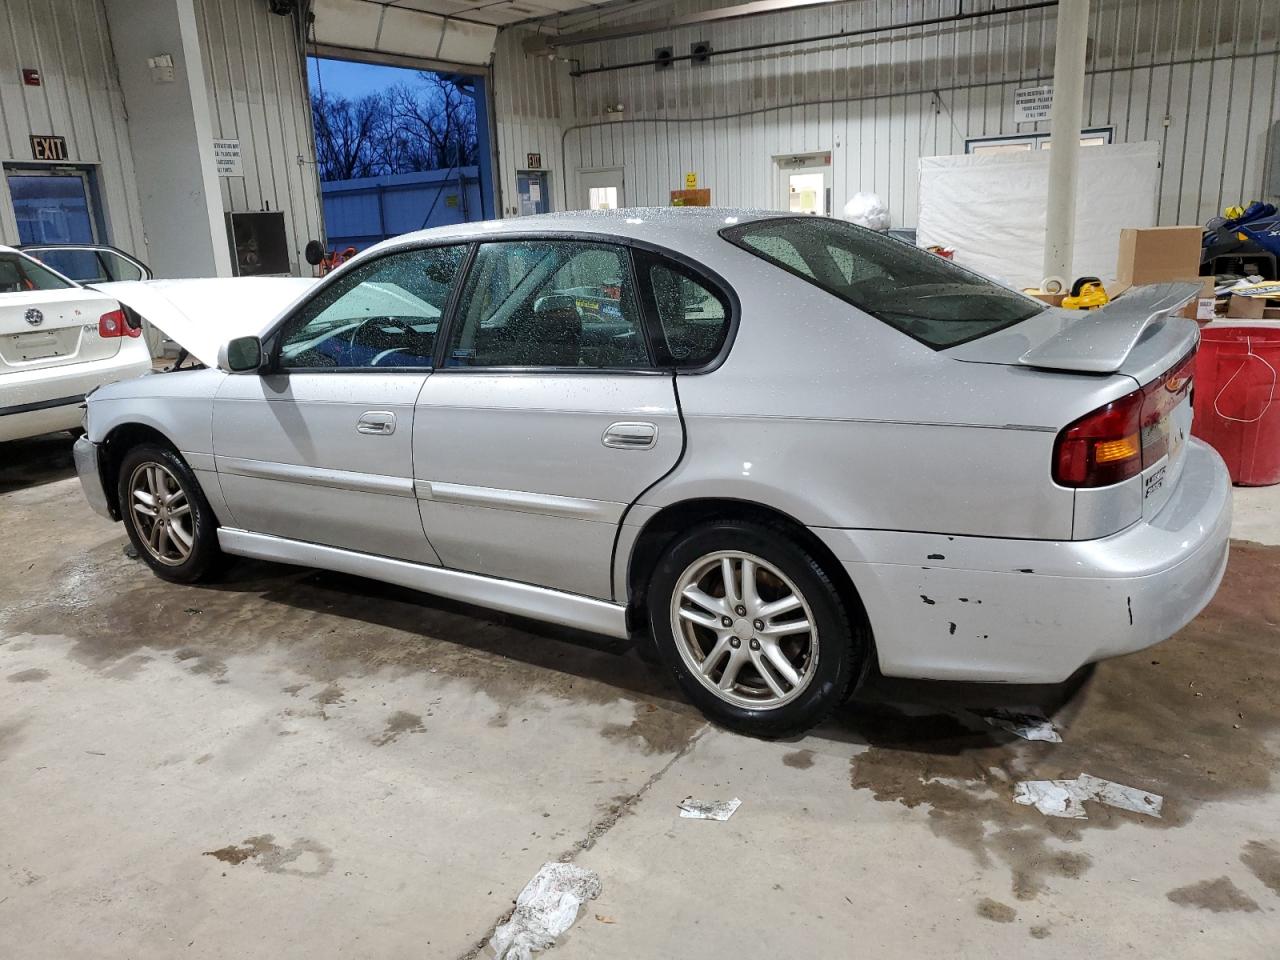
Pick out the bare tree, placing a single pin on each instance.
(348, 134)
(436, 121)
(426, 125)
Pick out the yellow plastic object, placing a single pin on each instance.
(1087, 293)
(1232, 212)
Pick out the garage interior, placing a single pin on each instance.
(295, 763)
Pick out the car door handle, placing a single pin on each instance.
(379, 423)
(630, 436)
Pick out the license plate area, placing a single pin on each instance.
(37, 346)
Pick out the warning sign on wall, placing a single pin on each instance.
(1032, 103)
(226, 157)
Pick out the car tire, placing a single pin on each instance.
(179, 541)
(755, 630)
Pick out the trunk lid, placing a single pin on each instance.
(1125, 336)
(51, 328)
(1136, 337)
(201, 315)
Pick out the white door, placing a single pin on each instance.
(602, 189)
(804, 184)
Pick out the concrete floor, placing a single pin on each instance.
(296, 764)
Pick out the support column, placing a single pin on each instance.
(171, 135)
(1065, 120)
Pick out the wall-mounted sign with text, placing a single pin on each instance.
(48, 148)
(226, 157)
(1031, 104)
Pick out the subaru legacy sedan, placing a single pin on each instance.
(785, 448)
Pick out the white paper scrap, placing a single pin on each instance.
(547, 907)
(1028, 726)
(1065, 798)
(708, 809)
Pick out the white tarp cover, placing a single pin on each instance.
(991, 208)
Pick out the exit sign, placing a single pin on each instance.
(48, 148)
(534, 161)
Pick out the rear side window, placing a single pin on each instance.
(922, 295)
(693, 317)
(549, 303)
(19, 274)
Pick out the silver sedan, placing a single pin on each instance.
(787, 449)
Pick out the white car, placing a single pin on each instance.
(58, 340)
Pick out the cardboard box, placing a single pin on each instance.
(1052, 299)
(1202, 309)
(1158, 254)
(1246, 308)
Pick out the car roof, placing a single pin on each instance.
(654, 224)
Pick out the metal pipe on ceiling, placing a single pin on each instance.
(960, 16)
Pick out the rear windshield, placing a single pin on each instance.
(19, 274)
(921, 294)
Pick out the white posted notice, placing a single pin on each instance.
(226, 157)
(1032, 103)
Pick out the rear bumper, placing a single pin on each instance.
(34, 402)
(1034, 611)
(88, 458)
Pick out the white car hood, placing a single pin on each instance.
(203, 314)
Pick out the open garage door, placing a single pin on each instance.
(372, 27)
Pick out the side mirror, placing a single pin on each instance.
(241, 355)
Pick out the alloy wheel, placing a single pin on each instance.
(744, 629)
(161, 513)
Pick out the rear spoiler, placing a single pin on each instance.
(1101, 339)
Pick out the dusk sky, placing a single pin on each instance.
(353, 80)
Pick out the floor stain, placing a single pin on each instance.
(798, 759)
(1219, 896)
(1040, 933)
(996, 911)
(1263, 861)
(399, 723)
(29, 676)
(329, 695)
(658, 730)
(302, 858)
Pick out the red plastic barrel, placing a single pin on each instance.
(1237, 400)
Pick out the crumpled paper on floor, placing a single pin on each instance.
(692, 809)
(1028, 726)
(1065, 798)
(546, 908)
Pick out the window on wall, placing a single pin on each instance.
(1025, 143)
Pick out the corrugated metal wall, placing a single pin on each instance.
(79, 98)
(258, 95)
(1200, 76)
(529, 114)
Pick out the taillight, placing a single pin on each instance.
(114, 324)
(1121, 439)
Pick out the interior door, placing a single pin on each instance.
(548, 418)
(531, 189)
(319, 448)
(804, 184)
(602, 189)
